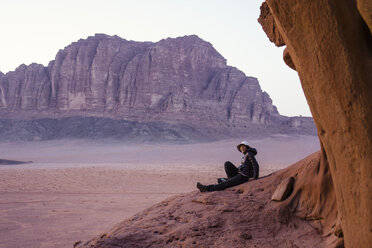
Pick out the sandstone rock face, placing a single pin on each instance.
(171, 78)
(26, 88)
(283, 190)
(365, 10)
(268, 25)
(330, 44)
(180, 80)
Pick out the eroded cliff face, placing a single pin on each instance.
(174, 79)
(330, 45)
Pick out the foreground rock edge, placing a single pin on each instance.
(239, 217)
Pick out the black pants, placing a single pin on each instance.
(233, 178)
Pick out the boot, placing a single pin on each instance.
(201, 187)
(222, 179)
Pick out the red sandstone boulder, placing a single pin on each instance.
(283, 190)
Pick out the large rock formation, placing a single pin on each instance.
(172, 78)
(329, 44)
(182, 80)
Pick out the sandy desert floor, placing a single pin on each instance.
(76, 189)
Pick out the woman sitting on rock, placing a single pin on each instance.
(249, 168)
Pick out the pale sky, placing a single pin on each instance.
(34, 31)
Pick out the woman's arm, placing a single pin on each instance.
(254, 164)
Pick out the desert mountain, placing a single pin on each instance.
(176, 81)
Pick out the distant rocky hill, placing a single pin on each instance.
(176, 81)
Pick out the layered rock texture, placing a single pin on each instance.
(329, 43)
(242, 216)
(181, 80)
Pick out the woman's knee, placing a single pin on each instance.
(229, 164)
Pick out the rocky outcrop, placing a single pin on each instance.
(25, 88)
(283, 190)
(181, 80)
(242, 216)
(330, 46)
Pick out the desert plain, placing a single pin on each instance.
(76, 189)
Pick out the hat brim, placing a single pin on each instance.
(238, 146)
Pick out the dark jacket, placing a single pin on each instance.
(249, 166)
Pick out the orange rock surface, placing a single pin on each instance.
(330, 45)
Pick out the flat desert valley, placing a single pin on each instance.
(76, 189)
